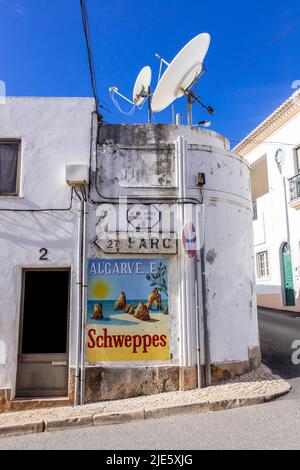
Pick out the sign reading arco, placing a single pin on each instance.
(127, 310)
(137, 242)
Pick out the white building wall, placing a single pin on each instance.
(54, 132)
(270, 230)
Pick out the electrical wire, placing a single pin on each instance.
(140, 107)
(248, 141)
(43, 210)
(86, 29)
(130, 199)
(78, 195)
(126, 113)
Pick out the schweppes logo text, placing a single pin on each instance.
(137, 343)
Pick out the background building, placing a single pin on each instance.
(273, 151)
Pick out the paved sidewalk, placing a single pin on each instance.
(249, 389)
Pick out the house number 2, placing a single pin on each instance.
(44, 254)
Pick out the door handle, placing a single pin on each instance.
(59, 363)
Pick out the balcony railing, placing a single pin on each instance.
(294, 187)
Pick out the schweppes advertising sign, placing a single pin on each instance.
(127, 310)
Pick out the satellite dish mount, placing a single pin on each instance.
(141, 93)
(192, 98)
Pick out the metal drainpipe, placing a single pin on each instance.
(182, 324)
(188, 266)
(198, 330)
(83, 304)
(177, 146)
(286, 211)
(205, 309)
(79, 302)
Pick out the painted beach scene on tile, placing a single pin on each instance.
(127, 310)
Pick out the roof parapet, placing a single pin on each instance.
(282, 114)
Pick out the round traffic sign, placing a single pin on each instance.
(189, 239)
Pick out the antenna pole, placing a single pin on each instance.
(149, 106)
(189, 109)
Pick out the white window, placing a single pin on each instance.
(9, 162)
(262, 264)
(297, 160)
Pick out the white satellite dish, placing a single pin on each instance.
(182, 73)
(141, 91)
(142, 85)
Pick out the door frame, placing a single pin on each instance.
(21, 318)
(282, 272)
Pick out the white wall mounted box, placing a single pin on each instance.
(77, 174)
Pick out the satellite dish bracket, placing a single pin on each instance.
(202, 71)
(115, 90)
(141, 92)
(190, 97)
(209, 109)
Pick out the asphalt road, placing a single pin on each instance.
(273, 425)
(278, 331)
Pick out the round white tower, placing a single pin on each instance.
(157, 170)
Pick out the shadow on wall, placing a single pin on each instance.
(27, 229)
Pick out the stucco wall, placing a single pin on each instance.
(270, 229)
(228, 229)
(53, 133)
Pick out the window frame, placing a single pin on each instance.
(254, 210)
(266, 265)
(17, 193)
(297, 160)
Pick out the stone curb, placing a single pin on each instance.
(24, 428)
(117, 418)
(66, 423)
(138, 414)
(201, 407)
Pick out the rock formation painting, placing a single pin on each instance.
(127, 310)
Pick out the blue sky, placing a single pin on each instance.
(252, 61)
(135, 285)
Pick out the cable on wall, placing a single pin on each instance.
(64, 209)
(86, 29)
